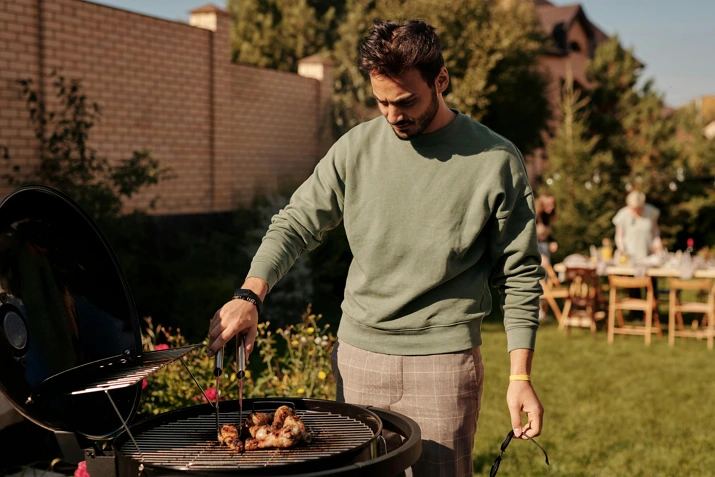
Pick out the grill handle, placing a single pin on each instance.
(382, 449)
(271, 405)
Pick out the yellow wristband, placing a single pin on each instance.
(519, 377)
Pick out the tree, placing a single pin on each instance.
(490, 49)
(69, 163)
(647, 142)
(696, 178)
(579, 177)
(277, 33)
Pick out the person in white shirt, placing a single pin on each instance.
(637, 231)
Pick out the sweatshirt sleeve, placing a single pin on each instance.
(315, 207)
(515, 256)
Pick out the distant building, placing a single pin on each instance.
(574, 39)
(706, 107)
(709, 130)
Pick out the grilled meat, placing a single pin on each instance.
(259, 419)
(259, 432)
(294, 426)
(281, 430)
(229, 436)
(288, 430)
(280, 416)
(282, 439)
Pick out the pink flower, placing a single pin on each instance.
(210, 393)
(82, 470)
(160, 347)
(145, 383)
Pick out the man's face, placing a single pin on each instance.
(408, 103)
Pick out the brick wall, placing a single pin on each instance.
(226, 131)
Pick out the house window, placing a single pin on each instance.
(574, 46)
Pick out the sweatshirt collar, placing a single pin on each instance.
(443, 134)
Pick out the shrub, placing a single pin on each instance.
(68, 162)
(293, 361)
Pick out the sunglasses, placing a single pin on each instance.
(504, 445)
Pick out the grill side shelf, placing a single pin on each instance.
(110, 373)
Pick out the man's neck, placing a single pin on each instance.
(442, 119)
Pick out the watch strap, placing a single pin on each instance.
(249, 296)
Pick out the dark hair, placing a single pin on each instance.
(391, 49)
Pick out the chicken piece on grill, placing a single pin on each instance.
(229, 437)
(254, 419)
(280, 416)
(259, 432)
(294, 426)
(258, 419)
(291, 433)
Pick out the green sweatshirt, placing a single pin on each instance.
(429, 222)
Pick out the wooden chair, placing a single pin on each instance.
(616, 305)
(581, 308)
(676, 308)
(553, 290)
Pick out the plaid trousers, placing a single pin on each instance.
(442, 393)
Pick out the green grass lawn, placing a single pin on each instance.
(610, 410)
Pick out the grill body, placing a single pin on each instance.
(71, 361)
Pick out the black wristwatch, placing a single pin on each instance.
(249, 296)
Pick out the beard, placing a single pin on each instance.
(418, 126)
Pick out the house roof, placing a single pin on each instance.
(557, 20)
(552, 16)
(600, 35)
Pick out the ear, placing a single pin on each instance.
(442, 80)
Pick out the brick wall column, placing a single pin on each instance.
(218, 21)
(321, 69)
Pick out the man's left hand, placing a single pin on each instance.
(521, 397)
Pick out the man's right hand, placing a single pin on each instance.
(237, 316)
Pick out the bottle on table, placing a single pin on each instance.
(606, 249)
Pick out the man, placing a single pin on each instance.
(433, 204)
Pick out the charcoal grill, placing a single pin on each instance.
(71, 361)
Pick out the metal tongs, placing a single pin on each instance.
(218, 371)
(240, 373)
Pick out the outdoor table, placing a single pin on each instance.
(660, 272)
(629, 270)
(703, 270)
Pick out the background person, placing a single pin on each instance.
(545, 217)
(637, 231)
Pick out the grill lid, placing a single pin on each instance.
(64, 302)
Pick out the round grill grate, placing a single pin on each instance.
(190, 443)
